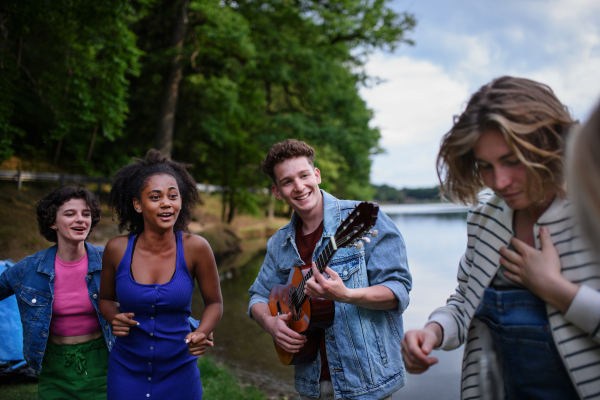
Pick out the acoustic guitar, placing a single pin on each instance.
(311, 315)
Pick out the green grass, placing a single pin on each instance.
(217, 382)
(19, 391)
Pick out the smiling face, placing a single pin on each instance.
(298, 184)
(73, 221)
(160, 202)
(502, 171)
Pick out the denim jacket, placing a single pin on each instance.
(363, 345)
(31, 280)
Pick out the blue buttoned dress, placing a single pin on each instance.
(153, 360)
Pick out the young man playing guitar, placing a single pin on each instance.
(359, 354)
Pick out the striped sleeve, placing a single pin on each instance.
(584, 311)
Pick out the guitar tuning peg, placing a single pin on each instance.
(366, 239)
(373, 233)
(358, 245)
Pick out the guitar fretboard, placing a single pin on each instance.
(321, 262)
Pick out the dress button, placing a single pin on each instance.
(110, 343)
(95, 296)
(151, 348)
(152, 305)
(34, 301)
(149, 378)
(89, 277)
(149, 363)
(105, 327)
(151, 334)
(345, 273)
(147, 394)
(151, 317)
(156, 287)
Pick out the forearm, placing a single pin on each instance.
(210, 318)
(376, 297)
(559, 293)
(108, 309)
(261, 314)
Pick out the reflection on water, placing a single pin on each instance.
(434, 242)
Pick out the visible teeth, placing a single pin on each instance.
(303, 197)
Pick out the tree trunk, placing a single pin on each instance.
(92, 142)
(231, 207)
(166, 117)
(58, 148)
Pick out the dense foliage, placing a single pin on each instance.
(83, 84)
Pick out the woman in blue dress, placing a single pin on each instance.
(148, 280)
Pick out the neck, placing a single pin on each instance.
(156, 240)
(70, 251)
(312, 218)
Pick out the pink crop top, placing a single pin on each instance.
(73, 313)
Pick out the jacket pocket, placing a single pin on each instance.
(32, 303)
(379, 342)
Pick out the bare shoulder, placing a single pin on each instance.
(115, 248)
(195, 243)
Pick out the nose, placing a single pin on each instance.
(502, 178)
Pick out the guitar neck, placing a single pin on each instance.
(321, 262)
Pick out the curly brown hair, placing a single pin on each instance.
(131, 179)
(535, 125)
(47, 207)
(285, 150)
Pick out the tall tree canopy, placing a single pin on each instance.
(247, 74)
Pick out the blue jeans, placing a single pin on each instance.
(532, 367)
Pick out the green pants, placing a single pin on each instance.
(74, 371)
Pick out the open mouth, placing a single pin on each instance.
(165, 215)
(78, 229)
(303, 197)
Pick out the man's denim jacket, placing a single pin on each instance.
(31, 280)
(363, 346)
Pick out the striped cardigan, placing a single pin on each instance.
(576, 333)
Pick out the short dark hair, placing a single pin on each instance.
(285, 150)
(47, 207)
(131, 179)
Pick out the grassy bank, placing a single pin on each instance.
(217, 382)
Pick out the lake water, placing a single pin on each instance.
(435, 237)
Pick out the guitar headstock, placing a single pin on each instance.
(357, 224)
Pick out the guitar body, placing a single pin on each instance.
(313, 316)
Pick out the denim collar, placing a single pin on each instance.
(47, 262)
(331, 218)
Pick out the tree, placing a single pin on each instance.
(64, 76)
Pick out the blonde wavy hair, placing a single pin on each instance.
(535, 125)
(583, 166)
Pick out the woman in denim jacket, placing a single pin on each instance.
(65, 340)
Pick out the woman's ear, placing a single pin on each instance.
(137, 205)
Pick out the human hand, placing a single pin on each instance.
(122, 322)
(540, 271)
(197, 342)
(331, 289)
(417, 345)
(537, 270)
(286, 338)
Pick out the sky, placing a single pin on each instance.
(461, 45)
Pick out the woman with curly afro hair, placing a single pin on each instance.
(66, 339)
(148, 279)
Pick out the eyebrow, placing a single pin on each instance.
(73, 210)
(158, 191)
(299, 173)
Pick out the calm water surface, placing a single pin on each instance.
(434, 242)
